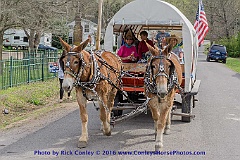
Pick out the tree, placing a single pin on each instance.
(39, 16)
(8, 18)
(222, 15)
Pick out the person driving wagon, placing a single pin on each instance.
(128, 52)
(174, 40)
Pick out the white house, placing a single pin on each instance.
(89, 28)
(18, 38)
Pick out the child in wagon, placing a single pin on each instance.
(142, 47)
(128, 52)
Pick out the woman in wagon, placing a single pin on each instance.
(174, 40)
(128, 52)
(142, 47)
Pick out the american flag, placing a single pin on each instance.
(201, 24)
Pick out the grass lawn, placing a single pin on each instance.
(234, 64)
(27, 100)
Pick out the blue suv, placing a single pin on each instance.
(218, 53)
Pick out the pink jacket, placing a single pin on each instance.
(125, 51)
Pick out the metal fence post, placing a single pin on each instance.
(28, 78)
(17, 53)
(11, 72)
(1, 72)
(42, 67)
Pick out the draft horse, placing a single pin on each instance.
(163, 75)
(94, 76)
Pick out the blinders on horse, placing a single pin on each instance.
(67, 65)
(150, 78)
(161, 69)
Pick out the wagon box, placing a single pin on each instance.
(134, 83)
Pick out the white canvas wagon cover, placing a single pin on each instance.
(150, 14)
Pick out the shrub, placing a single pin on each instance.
(232, 45)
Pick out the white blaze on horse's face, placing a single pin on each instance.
(161, 77)
(67, 84)
(71, 65)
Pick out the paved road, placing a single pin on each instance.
(215, 130)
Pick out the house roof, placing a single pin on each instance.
(85, 20)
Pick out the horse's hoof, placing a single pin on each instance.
(158, 147)
(166, 131)
(82, 144)
(108, 134)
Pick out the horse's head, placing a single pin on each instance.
(71, 63)
(160, 69)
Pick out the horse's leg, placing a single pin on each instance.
(168, 122)
(160, 126)
(82, 142)
(110, 103)
(104, 115)
(111, 98)
(155, 116)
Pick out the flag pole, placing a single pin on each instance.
(100, 3)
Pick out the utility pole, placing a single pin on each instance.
(99, 28)
(77, 32)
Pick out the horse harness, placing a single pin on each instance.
(97, 75)
(150, 79)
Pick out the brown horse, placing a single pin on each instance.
(94, 75)
(162, 76)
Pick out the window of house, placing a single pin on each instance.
(16, 37)
(70, 26)
(25, 39)
(70, 40)
(86, 28)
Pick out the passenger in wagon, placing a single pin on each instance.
(161, 39)
(174, 40)
(128, 52)
(142, 47)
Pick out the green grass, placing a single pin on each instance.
(23, 100)
(234, 64)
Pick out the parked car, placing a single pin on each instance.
(45, 47)
(217, 52)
